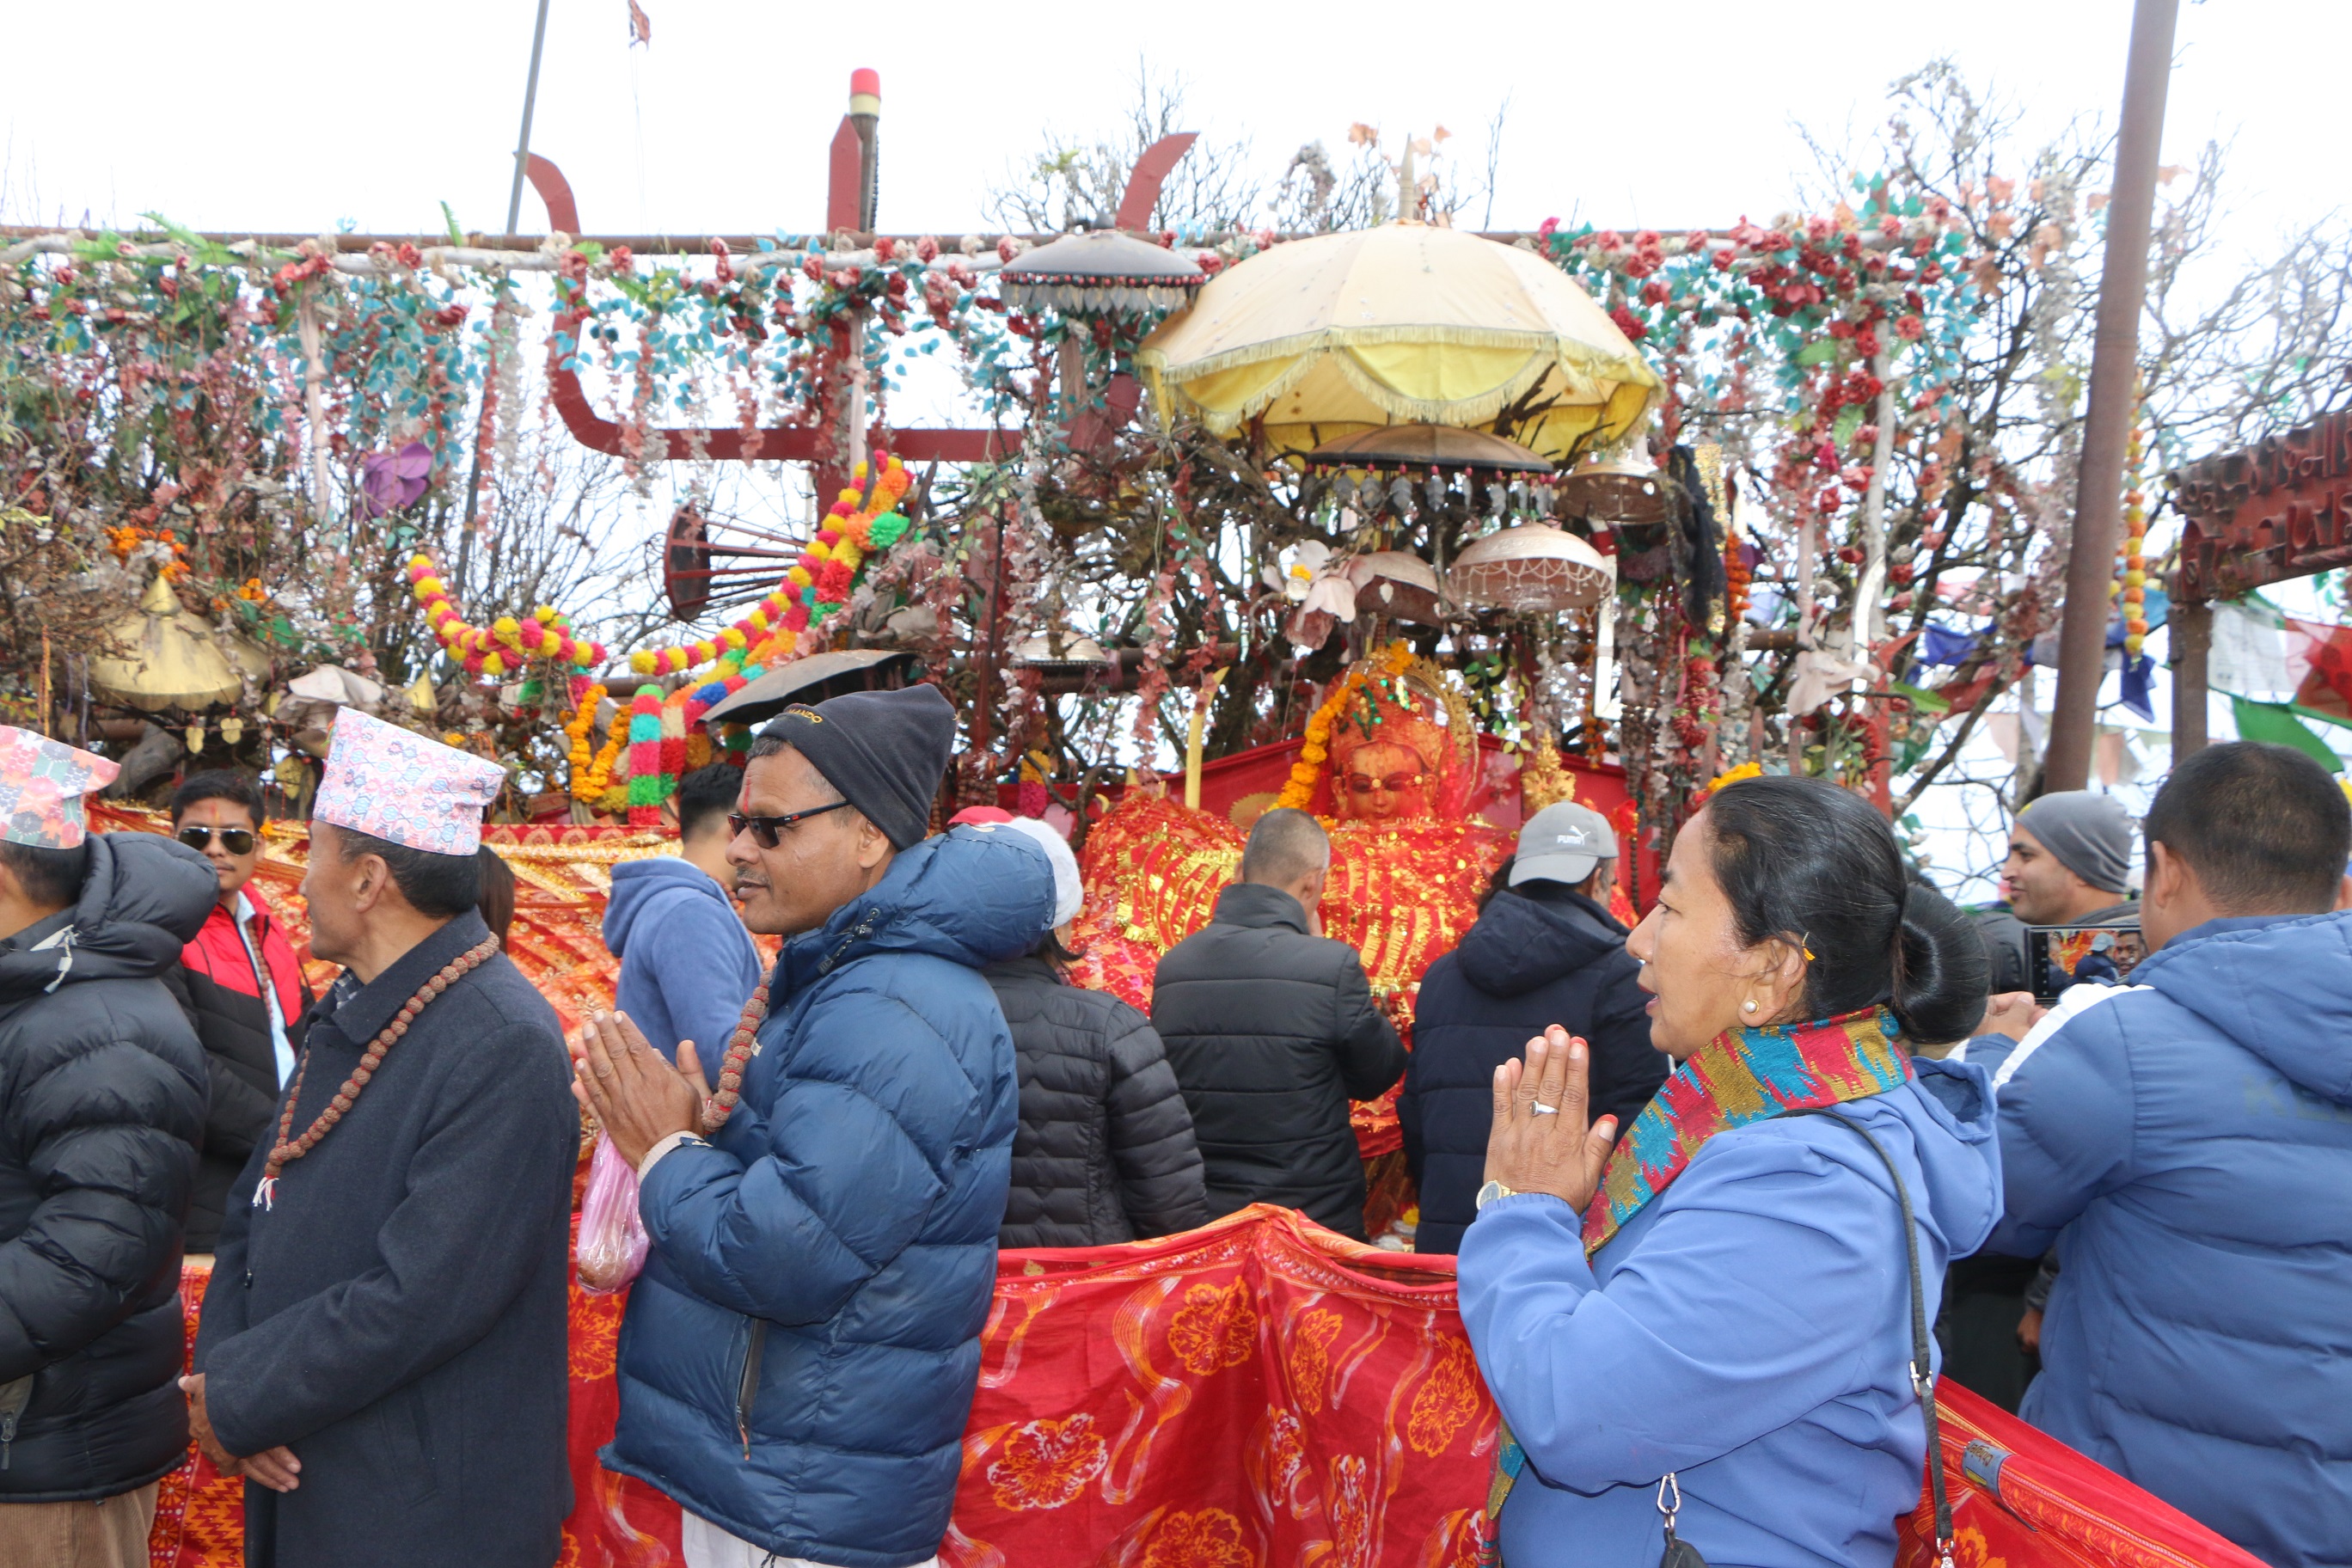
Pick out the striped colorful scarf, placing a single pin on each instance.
(1740, 1076)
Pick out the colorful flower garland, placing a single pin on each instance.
(817, 586)
(591, 773)
(1299, 790)
(545, 633)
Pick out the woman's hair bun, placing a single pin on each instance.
(1808, 862)
(1942, 972)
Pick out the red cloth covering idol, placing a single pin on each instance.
(1256, 1394)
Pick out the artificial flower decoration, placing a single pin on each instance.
(392, 480)
(1307, 560)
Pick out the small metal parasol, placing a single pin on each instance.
(1103, 273)
(1615, 490)
(172, 658)
(1532, 567)
(1397, 584)
(1058, 651)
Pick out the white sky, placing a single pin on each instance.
(276, 116)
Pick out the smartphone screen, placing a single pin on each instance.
(2060, 956)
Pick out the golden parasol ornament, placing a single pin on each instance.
(1404, 324)
(172, 660)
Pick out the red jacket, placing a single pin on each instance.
(217, 986)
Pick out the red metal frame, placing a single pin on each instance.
(795, 443)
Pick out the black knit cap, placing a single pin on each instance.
(886, 751)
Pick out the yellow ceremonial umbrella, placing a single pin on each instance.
(172, 660)
(1342, 333)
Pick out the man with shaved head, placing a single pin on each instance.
(1272, 1030)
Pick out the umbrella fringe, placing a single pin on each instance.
(1587, 373)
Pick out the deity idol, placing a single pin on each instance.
(1386, 775)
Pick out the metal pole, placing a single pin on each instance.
(530, 97)
(514, 216)
(2191, 633)
(2098, 502)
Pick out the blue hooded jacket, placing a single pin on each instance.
(1749, 1329)
(687, 963)
(2189, 1147)
(800, 1354)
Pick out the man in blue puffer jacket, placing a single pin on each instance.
(800, 1354)
(2187, 1141)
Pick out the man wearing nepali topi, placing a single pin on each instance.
(382, 1350)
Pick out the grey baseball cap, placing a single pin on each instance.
(1562, 843)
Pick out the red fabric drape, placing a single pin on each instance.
(1256, 1394)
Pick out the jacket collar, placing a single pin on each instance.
(1027, 966)
(1560, 896)
(360, 1014)
(1257, 906)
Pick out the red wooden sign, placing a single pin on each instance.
(2279, 508)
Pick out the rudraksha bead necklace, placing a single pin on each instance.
(265, 1196)
(739, 1046)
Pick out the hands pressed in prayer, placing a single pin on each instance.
(276, 1468)
(1550, 1150)
(638, 1098)
(2011, 1012)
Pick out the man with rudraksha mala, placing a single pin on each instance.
(383, 1349)
(801, 1352)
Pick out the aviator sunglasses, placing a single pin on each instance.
(235, 840)
(764, 829)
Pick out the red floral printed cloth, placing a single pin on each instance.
(1256, 1394)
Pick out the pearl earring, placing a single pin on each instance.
(1748, 1005)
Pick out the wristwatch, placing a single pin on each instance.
(1492, 1191)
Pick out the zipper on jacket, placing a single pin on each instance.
(747, 1387)
(14, 1397)
(856, 934)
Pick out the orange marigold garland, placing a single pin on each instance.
(580, 750)
(1299, 790)
(2132, 582)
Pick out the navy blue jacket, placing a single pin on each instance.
(396, 1315)
(1539, 954)
(2189, 1147)
(800, 1354)
(687, 963)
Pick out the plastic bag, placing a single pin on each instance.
(612, 1239)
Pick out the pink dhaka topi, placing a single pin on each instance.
(41, 786)
(399, 786)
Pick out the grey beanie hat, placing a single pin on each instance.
(2090, 834)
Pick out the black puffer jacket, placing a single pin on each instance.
(101, 1108)
(1271, 1032)
(1539, 954)
(1104, 1152)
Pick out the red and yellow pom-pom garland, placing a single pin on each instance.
(815, 588)
(506, 643)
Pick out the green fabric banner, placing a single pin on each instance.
(2277, 723)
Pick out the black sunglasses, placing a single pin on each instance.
(235, 840)
(764, 829)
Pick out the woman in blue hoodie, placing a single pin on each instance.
(1724, 1297)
